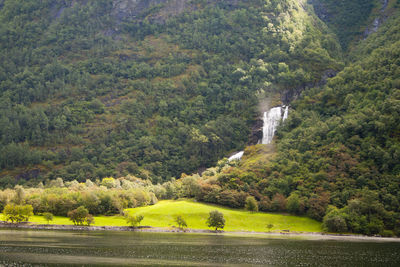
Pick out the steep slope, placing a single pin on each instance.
(340, 146)
(90, 89)
(347, 18)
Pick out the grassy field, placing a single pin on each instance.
(195, 214)
(163, 214)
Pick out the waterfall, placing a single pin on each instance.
(236, 156)
(272, 119)
(285, 115)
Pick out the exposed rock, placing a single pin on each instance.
(320, 10)
(256, 133)
(377, 21)
(290, 95)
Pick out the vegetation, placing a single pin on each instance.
(87, 95)
(17, 213)
(348, 18)
(163, 214)
(150, 99)
(48, 217)
(251, 204)
(106, 197)
(180, 222)
(134, 220)
(79, 215)
(216, 219)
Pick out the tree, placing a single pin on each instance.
(334, 220)
(19, 194)
(293, 203)
(279, 202)
(133, 220)
(216, 219)
(181, 222)
(48, 217)
(17, 213)
(78, 216)
(269, 226)
(251, 204)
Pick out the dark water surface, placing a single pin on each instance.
(43, 248)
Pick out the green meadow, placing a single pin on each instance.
(163, 214)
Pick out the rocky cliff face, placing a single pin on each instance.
(378, 20)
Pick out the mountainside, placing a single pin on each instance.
(160, 88)
(91, 89)
(337, 155)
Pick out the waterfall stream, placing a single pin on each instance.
(272, 119)
(236, 156)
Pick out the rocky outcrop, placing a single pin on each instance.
(320, 10)
(256, 132)
(377, 21)
(290, 95)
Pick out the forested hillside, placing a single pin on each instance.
(90, 89)
(338, 154)
(156, 89)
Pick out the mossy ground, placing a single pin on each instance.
(163, 214)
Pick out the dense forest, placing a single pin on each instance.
(86, 93)
(338, 154)
(151, 90)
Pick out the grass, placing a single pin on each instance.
(163, 214)
(99, 220)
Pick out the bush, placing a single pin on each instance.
(78, 216)
(133, 220)
(17, 213)
(89, 220)
(48, 217)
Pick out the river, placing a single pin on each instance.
(49, 248)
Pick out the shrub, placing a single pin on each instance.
(48, 217)
(17, 213)
(133, 220)
(89, 220)
(78, 216)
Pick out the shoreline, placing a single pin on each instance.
(150, 229)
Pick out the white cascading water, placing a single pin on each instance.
(272, 119)
(285, 115)
(236, 156)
